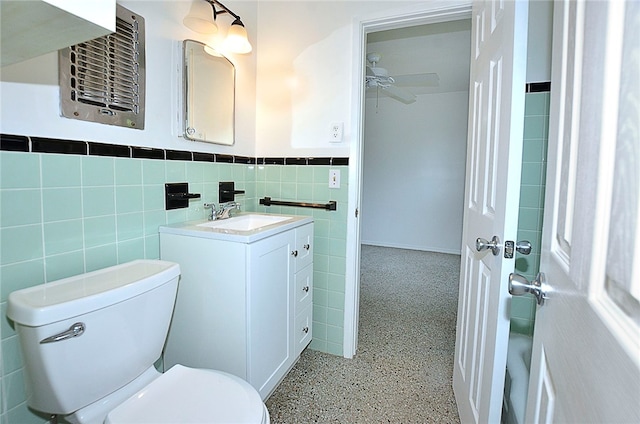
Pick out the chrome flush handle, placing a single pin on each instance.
(75, 330)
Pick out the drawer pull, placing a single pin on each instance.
(305, 289)
(307, 246)
(294, 253)
(305, 330)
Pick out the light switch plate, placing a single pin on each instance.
(334, 178)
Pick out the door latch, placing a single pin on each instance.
(523, 247)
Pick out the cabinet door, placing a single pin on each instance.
(304, 246)
(270, 310)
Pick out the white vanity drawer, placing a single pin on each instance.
(302, 329)
(304, 288)
(304, 246)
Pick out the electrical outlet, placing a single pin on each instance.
(334, 178)
(336, 132)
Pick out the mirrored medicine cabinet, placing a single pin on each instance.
(209, 94)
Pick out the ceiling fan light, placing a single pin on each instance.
(200, 18)
(237, 40)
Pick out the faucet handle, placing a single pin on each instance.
(214, 210)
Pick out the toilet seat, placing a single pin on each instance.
(188, 395)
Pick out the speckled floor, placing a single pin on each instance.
(403, 368)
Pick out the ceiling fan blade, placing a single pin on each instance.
(418, 80)
(399, 94)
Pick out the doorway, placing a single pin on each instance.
(430, 14)
(415, 137)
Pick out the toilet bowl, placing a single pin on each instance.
(89, 343)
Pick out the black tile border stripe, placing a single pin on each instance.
(224, 158)
(22, 143)
(54, 145)
(114, 150)
(244, 159)
(147, 153)
(538, 87)
(14, 143)
(178, 155)
(204, 157)
(295, 161)
(271, 161)
(319, 161)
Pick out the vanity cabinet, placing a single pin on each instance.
(242, 308)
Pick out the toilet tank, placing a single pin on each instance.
(125, 311)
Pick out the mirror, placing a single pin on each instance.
(209, 94)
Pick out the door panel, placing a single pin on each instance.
(496, 115)
(586, 349)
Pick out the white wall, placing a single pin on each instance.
(304, 74)
(30, 93)
(539, 41)
(414, 165)
(295, 83)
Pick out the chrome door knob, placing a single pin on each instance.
(523, 247)
(519, 285)
(483, 244)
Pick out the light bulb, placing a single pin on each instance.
(200, 18)
(237, 41)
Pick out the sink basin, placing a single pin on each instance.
(246, 227)
(244, 222)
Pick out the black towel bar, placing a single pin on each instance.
(330, 206)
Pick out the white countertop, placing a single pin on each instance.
(192, 229)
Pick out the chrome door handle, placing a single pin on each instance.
(483, 244)
(523, 247)
(519, 285)
(75, 330)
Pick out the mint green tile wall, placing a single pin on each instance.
(534, 159)
(62, 215)
(311, 184)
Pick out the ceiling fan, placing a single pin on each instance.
(392, 86)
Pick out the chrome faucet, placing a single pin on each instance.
(221, 212)
(226, 208)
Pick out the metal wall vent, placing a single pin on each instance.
(103, 80)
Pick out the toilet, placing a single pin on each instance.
(90, 342)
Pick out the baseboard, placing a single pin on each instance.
(433, 249)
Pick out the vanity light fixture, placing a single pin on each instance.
(200, 20)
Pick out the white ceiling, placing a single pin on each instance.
(443, 48)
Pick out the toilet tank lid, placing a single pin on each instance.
(51, 302)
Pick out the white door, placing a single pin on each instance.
(492, 189)
(586, 349)
(498, 67)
